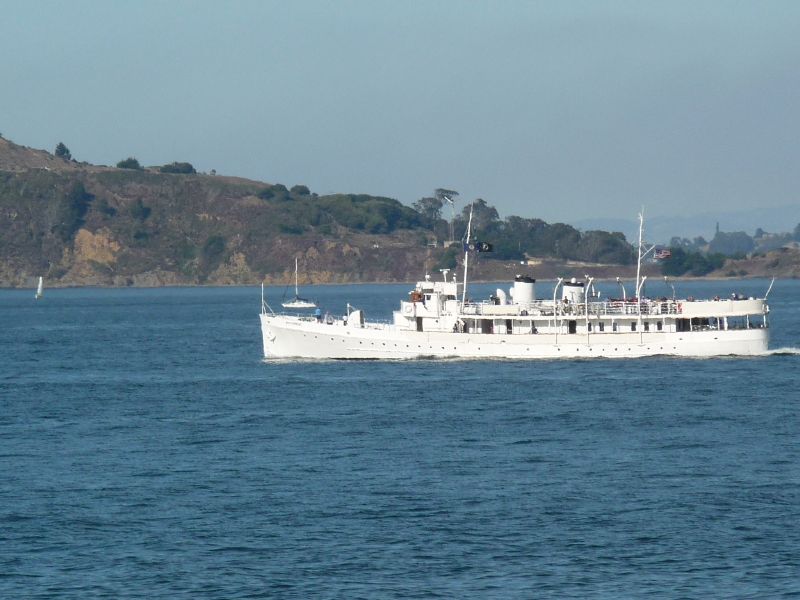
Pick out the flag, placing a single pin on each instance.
(478, 247)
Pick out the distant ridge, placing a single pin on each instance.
(76, 223)
(14, 157)
(659, 230)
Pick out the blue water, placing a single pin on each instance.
(147, 450)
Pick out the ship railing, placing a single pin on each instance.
(499, 311)
(546, 308)
(626, 307)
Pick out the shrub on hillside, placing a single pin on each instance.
(178, 167)
(300, 190)
(129, 163)
(70, 211)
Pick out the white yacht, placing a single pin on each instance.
(438, 320)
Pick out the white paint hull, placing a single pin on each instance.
(285, 337)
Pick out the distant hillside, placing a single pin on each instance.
(81, 224)
(662, 229)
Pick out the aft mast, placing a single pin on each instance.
(466, 258)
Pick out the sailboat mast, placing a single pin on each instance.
(639, 252)
(296, 290)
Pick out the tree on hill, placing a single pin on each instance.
(300, 190)
(129, 163)
(732, 243)
(62, 151)
(694, 263)
(429, 208)
(177, 167)
(483, 215)
(70, 211)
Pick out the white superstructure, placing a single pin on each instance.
(437, 320)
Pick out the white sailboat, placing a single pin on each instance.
(40, 289)
(297, 301)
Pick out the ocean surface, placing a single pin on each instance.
(148, 451)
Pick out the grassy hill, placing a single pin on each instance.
(81, 224)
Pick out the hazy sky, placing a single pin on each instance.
(558, 110)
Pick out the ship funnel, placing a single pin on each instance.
(501, 296)
(573, 292)
(523, 291)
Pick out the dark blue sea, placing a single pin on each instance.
(148, 451)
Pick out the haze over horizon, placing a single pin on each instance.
(563, 111)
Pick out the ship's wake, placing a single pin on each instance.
(786, 351)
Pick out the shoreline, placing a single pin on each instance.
(714, 278)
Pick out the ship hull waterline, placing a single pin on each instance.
(294, 338)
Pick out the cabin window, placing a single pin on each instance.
(419, 323)
(589, 326)
(602, 326)
(701, 324)
(633, 325)
(573, 326)
(646, 326)
(487, 326)
(659, 325)
(509, 327)
(614, 326)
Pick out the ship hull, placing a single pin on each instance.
(292, 337)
